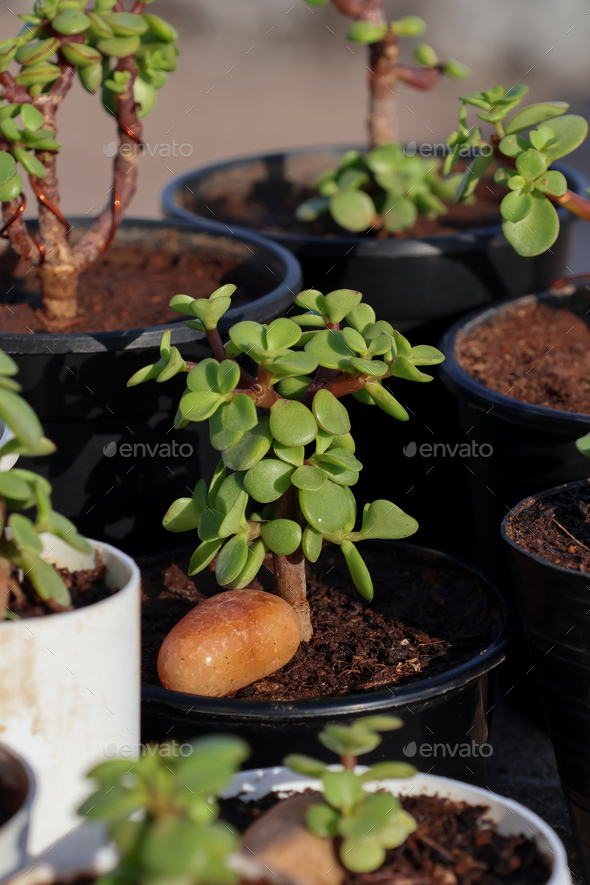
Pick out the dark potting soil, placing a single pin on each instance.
(428, 616)
(129, 288)
(86, 587)
(534, 353)
(454, 845)
(271, 205)
(556, 528)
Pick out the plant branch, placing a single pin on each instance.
(290, 580)
(419, 78)
(14, 93)
(216, 344)
(125, 173)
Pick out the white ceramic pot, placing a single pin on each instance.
(70, 689)
(17, 791)
(511, 817)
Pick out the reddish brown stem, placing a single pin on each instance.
(349, 762)
(125, 174)
(216, 344)
(290, 580)
(12, 91)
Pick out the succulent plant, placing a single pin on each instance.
(367, 823)
(284, 436)
(21, 489)
(530, 222)
(163, 816)
(385, 190)
(125, 55)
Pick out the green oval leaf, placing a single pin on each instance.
(282, 536)
(537, 232)
(72, 21)
(120, 47)
(330, 349)
(231, 560)
(126, 24)
(352, 210)
(530, 164)
(182, 516)
(358, 570)
(268, 480)
(570, 131)
(535, 114)
(292, 423)
(253, 446)
(386, 521)
(312, 542)
(7, 167)
(516, 206)
(365, 32)
(330, 414)
(328, 509)
(385, 400)
(309, 477)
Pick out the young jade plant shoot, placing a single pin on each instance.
(530, 221)
(20, 489)
(175, 834)
(367, 823)
(285, 440)
(387, 189)
(126, 55)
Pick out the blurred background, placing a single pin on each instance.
(264, 74)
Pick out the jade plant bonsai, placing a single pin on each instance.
(387, 189)
(21, 489)
(284, 435)
(126, 55)
(178, 837)
(366, 823)
(530, 222)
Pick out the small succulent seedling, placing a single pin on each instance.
(387, 189)
(126, 55)
(162, 813)
(21, 489)
(285, 436)
(530, 222)
(367, 823)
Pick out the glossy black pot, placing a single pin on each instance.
(441, 715)
(119, 462)
(411, 282)
(554, 604)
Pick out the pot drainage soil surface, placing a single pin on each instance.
(129, 288)
(271, 205)
(453, 845)
(556, 528)
(86, 587)
(533, 353)
(422, 622)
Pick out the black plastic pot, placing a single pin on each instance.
(119, 462)
(554, 604)
(452, 708)
(528, 448)
(410, 282)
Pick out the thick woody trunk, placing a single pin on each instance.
(383, 57)
(290, 581)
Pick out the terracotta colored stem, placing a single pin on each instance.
(419, 78)
(125, 174)
(14, 93)
(349, 762)
(290, 580)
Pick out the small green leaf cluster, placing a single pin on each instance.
(530, 221)
(367, 823)
(21, 489)
(384, 189)
(287, 432)
(93, 41)
(583, 445)
(162, 813)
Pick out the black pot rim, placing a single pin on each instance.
(354, 704)
(454, 376)
(525, 503)
(463, 241)
(149, 336)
